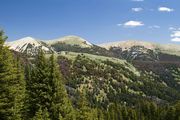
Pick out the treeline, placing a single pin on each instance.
(37, 92)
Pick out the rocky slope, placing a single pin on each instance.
(141, 50)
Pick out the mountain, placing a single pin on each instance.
(71, 43)
(70, 40)
(130, 50)
(128, 44)
(125, 45)
(77, 44)
(29, 45)
(141, 50)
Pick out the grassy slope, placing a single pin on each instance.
(73, 55)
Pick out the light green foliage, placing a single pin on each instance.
(41, 115)
(99, 59)
(176, 75)
(84, 111)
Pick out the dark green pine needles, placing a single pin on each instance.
(46, 90)
(12, 84)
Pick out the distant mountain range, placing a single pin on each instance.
(129, 50)
(31, 45)
(125, 45)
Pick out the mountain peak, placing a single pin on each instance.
(26, 44)
(71, 40)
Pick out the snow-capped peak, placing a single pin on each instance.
(21, 44)
(27, 44)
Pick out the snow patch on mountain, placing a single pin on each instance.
(27, 44)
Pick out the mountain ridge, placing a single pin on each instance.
(122, 43)
(129, 50)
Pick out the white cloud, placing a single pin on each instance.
(137, 9)
(137, 0)
(119, 24)
(154, 27)
(165, 9)
(175, 34)
(176, 39)
(132, 23)
(172, 28)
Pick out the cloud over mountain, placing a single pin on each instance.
(175, 36)
(176, 39)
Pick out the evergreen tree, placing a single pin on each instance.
(46, 90)
(132, 114)
(12, 85)
(27, 103)
(112, 112)
(170, 115)
(39, 89)
(100, 114)
(61, 106)
(28, 74)
(41, 115)
(177, 107)
(153, 111)
(84, 111)
(124, 113)
(19, 90)
(119, 112)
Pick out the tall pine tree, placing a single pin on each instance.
(41, 114)
(38, 86)
(47, 91)
(61, 106)
(12, 87)
(19, 90)
(84, 111)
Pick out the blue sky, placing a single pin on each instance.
(98, 21)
